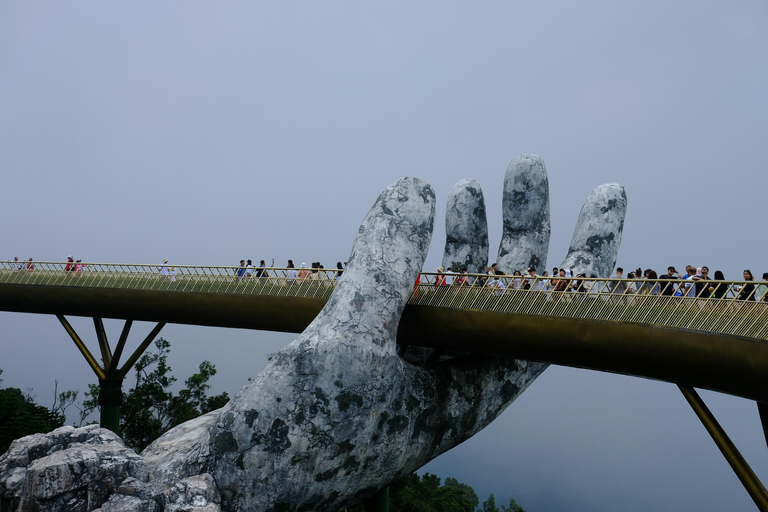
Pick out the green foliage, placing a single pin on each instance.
(62, 401)
(425, 494)
(89, 405)
(489, 505)
(468, 491)
(513, 507)
(20, 416)
(150, 408)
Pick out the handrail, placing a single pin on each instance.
(717, 308)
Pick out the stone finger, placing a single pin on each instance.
(597, 236)
(525, 214)
(387, 255)
(466, 229)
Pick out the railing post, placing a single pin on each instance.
(110, 400)
(379, 502)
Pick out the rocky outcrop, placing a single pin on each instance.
(193, 494)
(67, 470)
(90, 469)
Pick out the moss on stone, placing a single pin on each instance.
(347, 399)
(224, 442)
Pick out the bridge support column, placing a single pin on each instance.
(379, 502)
(110, 400)
(110, 375)
(763, 410)
(738, 464)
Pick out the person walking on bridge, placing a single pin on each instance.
(262, 271)
(747, 291)
(440, 277)
(720, 289)
(762, 289)
(292, 272)
(699, 282)
(164, 269)
(619, 286)
(669, 288)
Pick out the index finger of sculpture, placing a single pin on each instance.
(597, 236)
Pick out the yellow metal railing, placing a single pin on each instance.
(731, 308)
(301, 282)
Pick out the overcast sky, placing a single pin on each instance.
(209, 132)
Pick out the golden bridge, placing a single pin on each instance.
(714, 341)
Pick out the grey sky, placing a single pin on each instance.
(205, 133)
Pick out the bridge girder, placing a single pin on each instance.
(727, 364)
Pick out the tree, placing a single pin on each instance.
(150, 408)
(489, 505)
(89, 405)
(468, 491)
(513, 507)
(62, 401)
(425, 494)
(20, 416)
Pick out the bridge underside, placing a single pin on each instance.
(731, 365)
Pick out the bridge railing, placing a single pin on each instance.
(301, 282)
(731, 308)
(727, 307)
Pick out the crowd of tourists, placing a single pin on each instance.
(315, 271)
(29, 265)
(696, 282)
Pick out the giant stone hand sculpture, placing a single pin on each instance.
(338, 414)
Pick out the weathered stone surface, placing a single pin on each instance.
(525, 214)
(178, 451)
(193, 494)
(135, 495)
(337, 414)
(466, 229)
(334, 416)
(67, 470)
(597, 236)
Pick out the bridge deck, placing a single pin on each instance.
(717, 344)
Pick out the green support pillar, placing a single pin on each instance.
(110, 376)
(110, 400)
(379, 502)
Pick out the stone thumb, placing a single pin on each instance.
(387, 255)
